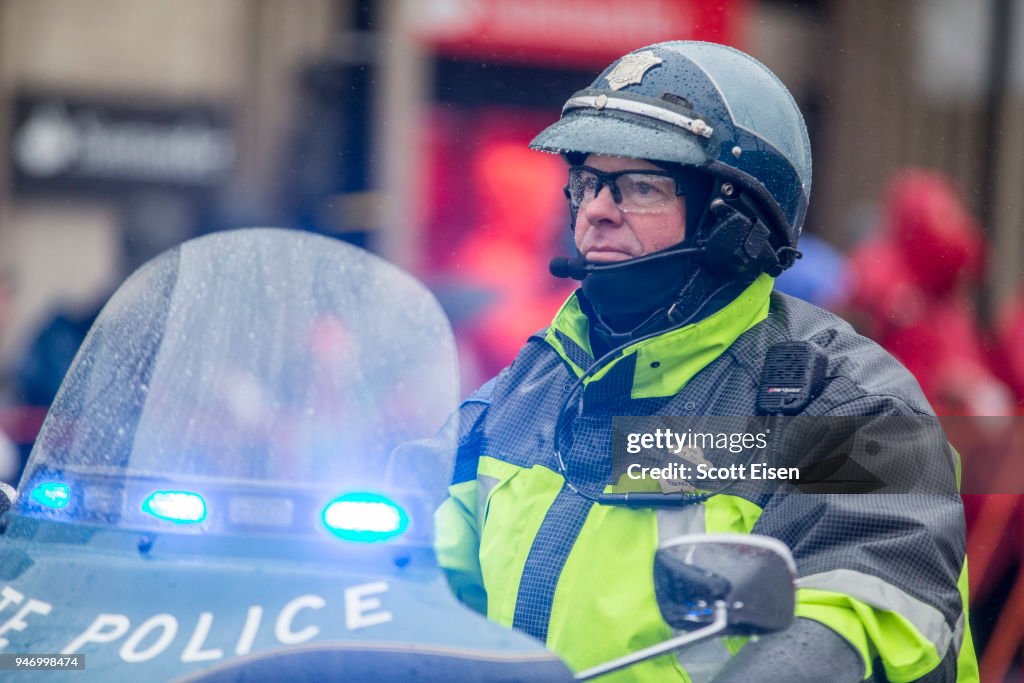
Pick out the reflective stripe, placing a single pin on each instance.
(695, 126)
(484, 486)
(958, 634)
(701, 661)
(875, 592)
(679, 522)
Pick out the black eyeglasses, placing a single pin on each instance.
(638, 191)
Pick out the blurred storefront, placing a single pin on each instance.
(367, 119)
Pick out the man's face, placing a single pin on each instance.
(606, 233)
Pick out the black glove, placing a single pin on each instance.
(681, 587)
(806, 652)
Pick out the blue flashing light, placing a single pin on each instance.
(52, 494)
(180, 507)
(365, 518)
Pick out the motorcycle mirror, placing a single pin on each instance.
(716, 585)
(754, 576)
(8, 494)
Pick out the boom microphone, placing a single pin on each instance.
(575, 267)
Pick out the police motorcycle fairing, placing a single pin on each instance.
(211, 488)
(217, 493)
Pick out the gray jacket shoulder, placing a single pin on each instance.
(861, 377)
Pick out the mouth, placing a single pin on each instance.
(606, 255)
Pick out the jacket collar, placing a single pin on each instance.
(665, 363)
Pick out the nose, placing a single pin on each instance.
(602, 208)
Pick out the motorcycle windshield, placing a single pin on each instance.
(244, 380)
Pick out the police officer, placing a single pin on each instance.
(688, 181)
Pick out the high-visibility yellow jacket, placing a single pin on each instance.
(887, 572)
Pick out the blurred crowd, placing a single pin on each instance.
(913, 286)
(914, 289)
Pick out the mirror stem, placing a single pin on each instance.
(715, 627)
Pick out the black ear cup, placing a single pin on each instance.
(739, 243)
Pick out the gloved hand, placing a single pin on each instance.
(681, 588)
(806, 652)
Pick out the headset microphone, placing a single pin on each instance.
(578, 268)
(562, 267)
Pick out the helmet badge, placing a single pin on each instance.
(631, 69)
